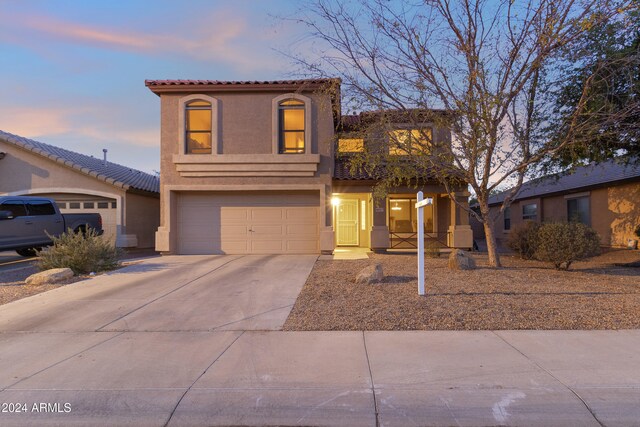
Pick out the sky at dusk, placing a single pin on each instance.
(73, 71)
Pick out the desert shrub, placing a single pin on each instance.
(522, 239)
(562, 243)
(431, 248)
(82, 253)
(637, 231)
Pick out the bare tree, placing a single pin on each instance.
(480, 68)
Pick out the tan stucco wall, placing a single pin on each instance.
(623, 211)
(244, 128)
(614, 211)
(21, 170)
(24, 172)
(143, 218)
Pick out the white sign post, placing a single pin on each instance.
(422, 202)
(420, 208)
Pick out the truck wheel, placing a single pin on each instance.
(27, 252)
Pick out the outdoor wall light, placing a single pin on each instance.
(335, 201)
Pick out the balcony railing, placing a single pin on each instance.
(400, 240)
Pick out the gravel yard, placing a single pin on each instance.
(600, 293)
(12, 286)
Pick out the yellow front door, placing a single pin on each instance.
(347, 223)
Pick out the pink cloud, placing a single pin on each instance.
(85, 34)
(34, 122)
(222, 36)
(97, 125)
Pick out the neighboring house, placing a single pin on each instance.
(605, 196)
(127, 199)
(251, 167)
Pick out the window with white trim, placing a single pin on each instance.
(291, 121)
(197, 121)
(198, 125)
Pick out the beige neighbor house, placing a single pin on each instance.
(252, 168)
(605, 196)
(127, 199)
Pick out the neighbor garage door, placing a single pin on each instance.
(248, 223)
(78, 203)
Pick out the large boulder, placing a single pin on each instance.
(460, 260)
(54, 275)
(370, 274)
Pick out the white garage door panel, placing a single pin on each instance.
(302, 246)
(109, 219)
(267, 247)
(233, 232)
(245, 223)
(229, 214)
(266, 214)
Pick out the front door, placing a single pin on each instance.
(347, 223)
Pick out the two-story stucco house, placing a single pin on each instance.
(252, 168)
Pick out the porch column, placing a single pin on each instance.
(460, 233)
(379, 229)
(164, 235)
(327, 234)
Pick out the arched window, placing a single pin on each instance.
(197, 130)
(291, 121)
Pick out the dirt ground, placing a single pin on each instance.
(12, 286)
(601, 293)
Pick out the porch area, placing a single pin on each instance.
(391, 225)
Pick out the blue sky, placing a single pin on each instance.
(73, 71)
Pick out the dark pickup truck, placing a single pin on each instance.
(26, 220)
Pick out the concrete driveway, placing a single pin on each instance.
(174, 293)
(191, 341)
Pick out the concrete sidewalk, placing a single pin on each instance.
(139, 354)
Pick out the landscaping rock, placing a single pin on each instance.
(54, 275)
(370, 274)
(460, 260)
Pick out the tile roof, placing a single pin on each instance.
(592, 175)
(235, 83)
(342, 171)
(112, 173)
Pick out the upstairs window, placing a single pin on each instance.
(350, 145)
(198, 127)
(403, 142)
(291, 119)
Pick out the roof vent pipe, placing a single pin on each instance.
(104, 161)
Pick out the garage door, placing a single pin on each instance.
(248, 223)
(78, 203)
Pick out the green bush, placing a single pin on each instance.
(564, 243)
(522, 239)
(81, 252)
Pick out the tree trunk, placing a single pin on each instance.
(492, 247)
